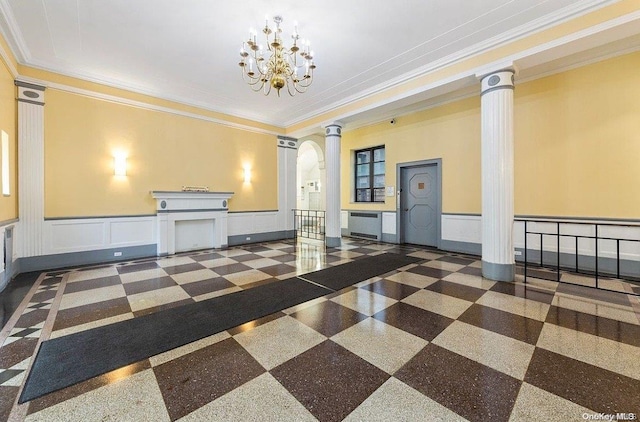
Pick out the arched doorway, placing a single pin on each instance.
(310, 177)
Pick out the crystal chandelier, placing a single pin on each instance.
(278, 66)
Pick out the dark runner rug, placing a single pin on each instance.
(74, 358)
(341, 276)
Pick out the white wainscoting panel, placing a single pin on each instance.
(253, 222)
(344, 219)
(87, 234)
(462, 228)
(606, 248)
(389, 222)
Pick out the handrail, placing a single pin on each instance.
(309, 224)
(558, 235)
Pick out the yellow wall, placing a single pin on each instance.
(577, 145)
(165, 151)
(8, 118)
(450, 132)
(577, 149)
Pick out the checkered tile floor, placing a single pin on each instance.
(429, 341)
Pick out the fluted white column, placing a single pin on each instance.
(333, 134)
(287, 162)
(30, 233)
(497, 176)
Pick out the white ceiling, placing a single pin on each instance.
(187, 50)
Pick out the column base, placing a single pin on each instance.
(333, 242)
(498, 272)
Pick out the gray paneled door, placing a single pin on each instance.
(419, 204)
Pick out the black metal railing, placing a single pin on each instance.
(309, 224)
(632, 273)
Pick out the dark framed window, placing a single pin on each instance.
(369, 174)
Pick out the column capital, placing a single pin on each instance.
(30, 93)
(501, 79)
(333, 129)
(287, 142)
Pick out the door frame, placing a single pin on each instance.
(421, 163)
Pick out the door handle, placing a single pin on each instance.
(406, 209)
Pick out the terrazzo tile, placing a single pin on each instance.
(417, 321)
(142, 275)
(278, 269)
(246, 277)
(95, 283)
(592, 324)
(328, 318)
(595, 307)
(443, 265)
(16, 351)
(608, 354)
(515, 305)
(276, 404)
(278, 341)
(523, 291)
(32, 318)
(470, 280)
(534, 404)
(391, 289)
(505, 323)
(390, 349)
(583, 384)
(168, 356)
(363, 301)
(202, 287)
(412, 279)
(92, 312)
(600, 295)
(457, 260)
(329, 380)
(91, 274)
(133, 398)
(217, 293)
(183, 268)
(467, 387)
(247, 326)
(89, 325)
(429, 272)
(176, 261)
(448, 306)
(194, 276)
(162, 307)
(125, 269)
(87, 297)
(396, 401)
(193, 380)
(494, 350)
(92, 384)
(304, 305)
(470, 294)
(425, 255)
(158, 297)
(7, 398)
(148, 285)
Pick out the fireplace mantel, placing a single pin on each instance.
(176, 207)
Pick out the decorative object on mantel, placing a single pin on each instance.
(195, 189)
(281, 67)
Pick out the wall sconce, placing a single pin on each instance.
(247, 174)
(119, 165)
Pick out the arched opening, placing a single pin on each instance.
(310, 177)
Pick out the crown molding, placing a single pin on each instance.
(143, 105)
(14, 37)
(559, 42)
(535, 26)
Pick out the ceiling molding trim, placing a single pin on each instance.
(473, 51)
(143, 105)
(113, 83)
(14, 37)
(450, 60)
(579, 64)
(6, 57)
